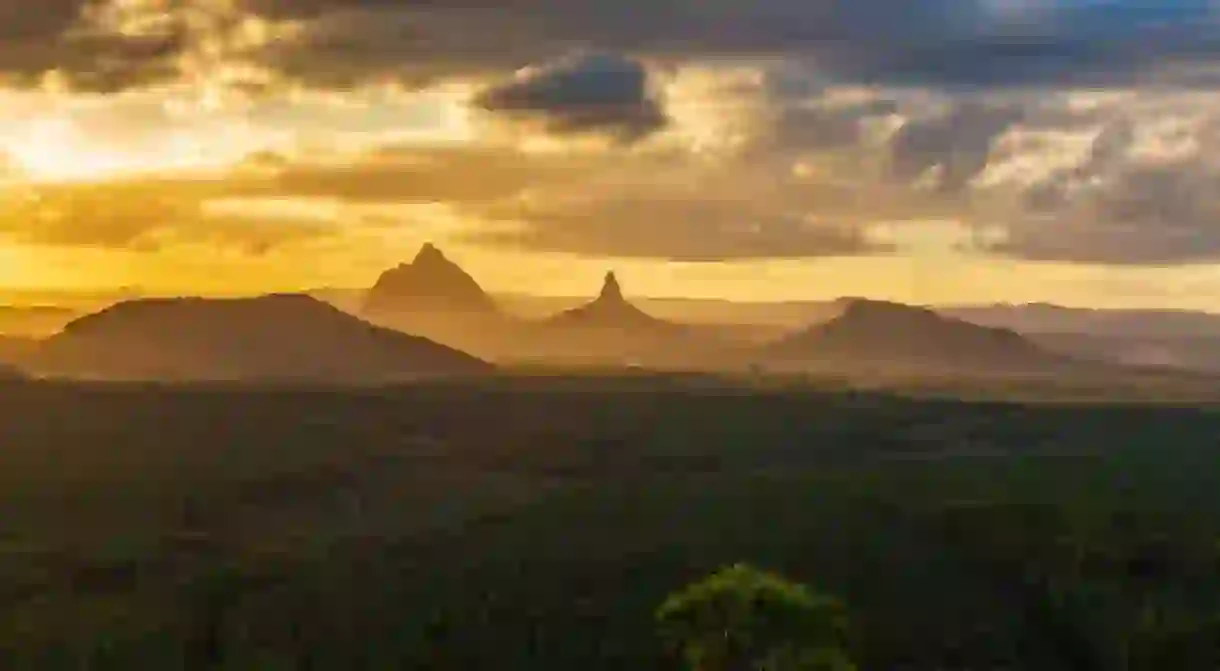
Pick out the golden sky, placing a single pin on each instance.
(777, 150)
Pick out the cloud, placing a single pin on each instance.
(686, 230)
(114, 44)
(828, 126)
(1142, 214)
(647, 204)
(459, 174)
(273, 200)
(597, 92)
(974, 43)
(753, 162)
(655, 209)
(957, 144)
(52, 40)
(140, 215)
(1128, 179)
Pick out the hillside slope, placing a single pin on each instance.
(278, 337)
(878, 334)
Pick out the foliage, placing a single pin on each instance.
(744, 618)
(536, 523)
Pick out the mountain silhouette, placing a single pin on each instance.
(280, 337)
(609, 311)
(886, 334)
(1046, 318)
(431, 283)
(612, 330)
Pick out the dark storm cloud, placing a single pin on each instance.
(939, 42)
(29, 39)
(52, 18)
(596, 92)
(36, 38)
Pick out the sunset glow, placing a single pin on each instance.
(465, 334)
(55, 150)
(271, 145)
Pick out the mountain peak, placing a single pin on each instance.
(429, 254)
(896, 335)
(430, 283)
(868, 309)
(612, 291)
(609, 309)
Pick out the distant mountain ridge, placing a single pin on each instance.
(434, 297)
(281, 337)
(1050, 318)
(894, 335)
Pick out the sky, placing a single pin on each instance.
(929, 151)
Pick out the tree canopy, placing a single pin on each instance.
(744, 619)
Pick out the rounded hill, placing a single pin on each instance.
(278, 337)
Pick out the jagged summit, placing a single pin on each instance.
(609, 310)
(612, 291)
(430, 283)
(429, 253)
(430, 259)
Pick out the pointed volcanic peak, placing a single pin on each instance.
(610, 310)
(270, 338)
(881, 333)
(432, 284)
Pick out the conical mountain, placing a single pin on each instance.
(610, 310)
(431, 284)
(881, 333)
(612, 291)
(278, 337)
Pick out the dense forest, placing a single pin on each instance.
(540, 522)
